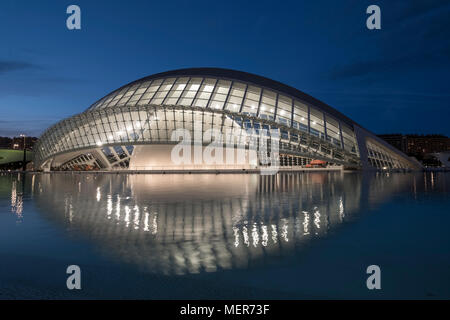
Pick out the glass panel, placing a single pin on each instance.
(333, 134)
(220, 94)
(205, 92)
(316, 123)
(223, 87)
(349, 138)
(236, 96)
(238, 89)
(251, 101)
(300, 116)
(155, 85)
(167, 84)
(267, 108)
(284, 110)
(176, 90)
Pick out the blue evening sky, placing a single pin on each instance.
(393, 80)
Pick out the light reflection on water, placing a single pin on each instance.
(185, 224)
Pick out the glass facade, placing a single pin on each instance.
(112, 130)
(380, 157)
(234, 96)
(147, 111)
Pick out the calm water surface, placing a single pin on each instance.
(305, 235)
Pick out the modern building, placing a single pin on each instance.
(17, 143)
(423, 144)
(133, 127)
(5, 142)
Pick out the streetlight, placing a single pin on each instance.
(24, 163)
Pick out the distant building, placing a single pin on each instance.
(17, 143)
(397, 140)
(418, 145)
(5, 143)
(423, 144)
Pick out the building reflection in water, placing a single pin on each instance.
(180, 224)
(17, 193)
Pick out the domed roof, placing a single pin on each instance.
(229, 74)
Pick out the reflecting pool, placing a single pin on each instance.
(292, 235)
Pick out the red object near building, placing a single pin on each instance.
(318, 164)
